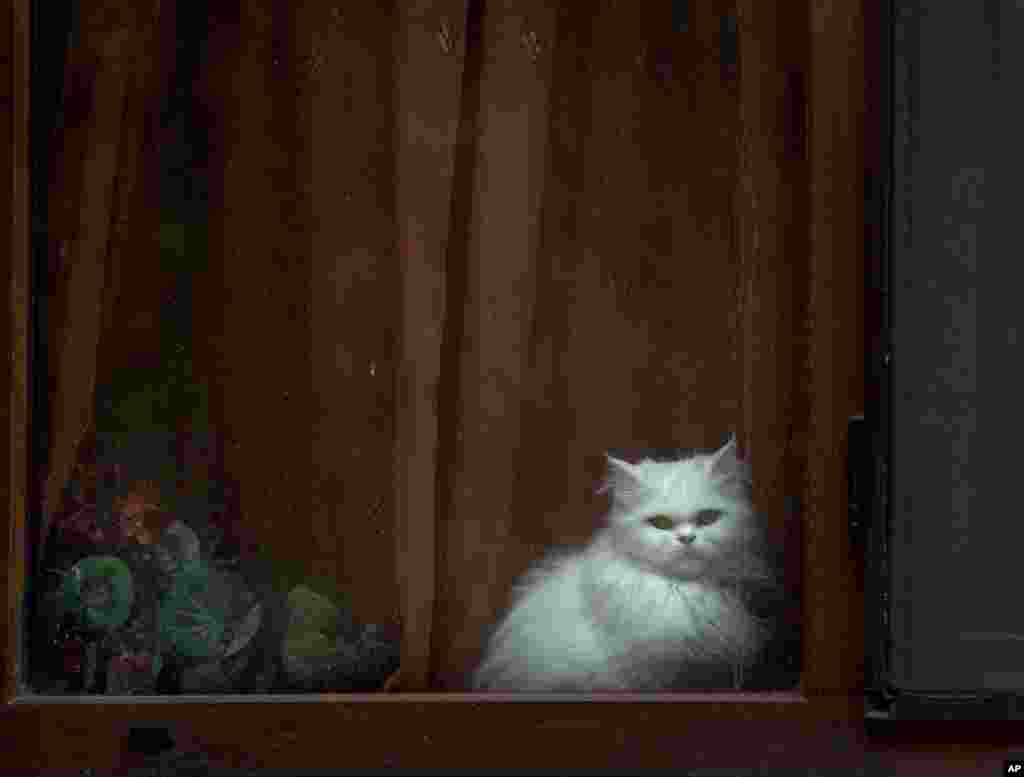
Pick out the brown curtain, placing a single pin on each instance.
(103, 213)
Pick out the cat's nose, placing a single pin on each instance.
(686, 539)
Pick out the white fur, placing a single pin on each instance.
(636, 609)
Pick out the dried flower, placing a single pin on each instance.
(130, 673)
(73, 653)
(136, 529)
(142, 497)
(133, 662)
(141, 512)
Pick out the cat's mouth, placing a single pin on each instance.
(689, 561)
(689, 552)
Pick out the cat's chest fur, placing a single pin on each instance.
(595, 621)
(652, 625)
(624, 599)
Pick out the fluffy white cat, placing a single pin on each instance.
(655, 601)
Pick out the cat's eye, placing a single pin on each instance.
(661, 522)
(707, 517)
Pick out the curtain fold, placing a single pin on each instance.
(99, 216)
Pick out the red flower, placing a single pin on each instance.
(129, 663)
(142, 497)
(141, 513)
(74, 653)
(141, 662)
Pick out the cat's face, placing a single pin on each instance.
(681, 517)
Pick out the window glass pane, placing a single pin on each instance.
(381, 322)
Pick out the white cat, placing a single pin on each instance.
(655, 601)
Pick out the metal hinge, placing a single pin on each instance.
(860, 475)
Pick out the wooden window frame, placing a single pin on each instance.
(468, 730)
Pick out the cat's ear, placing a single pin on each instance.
(726, 464)
(623, 481)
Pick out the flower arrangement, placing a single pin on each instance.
(140, 512)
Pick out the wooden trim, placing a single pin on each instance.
(517, 737)
(770, 213)
(833, 606)
(430, 56)
(15, 147)
(449, 732)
